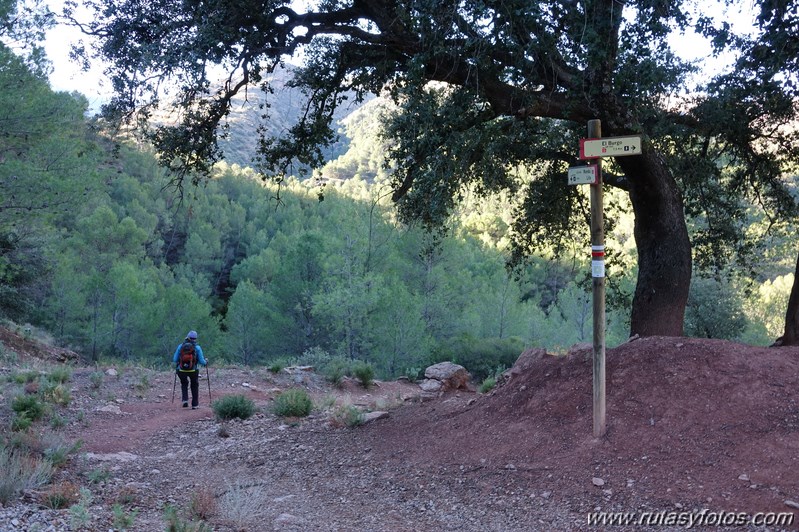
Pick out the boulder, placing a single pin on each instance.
(524, 363)
(451, 376)
(373, 416)
(431, 385)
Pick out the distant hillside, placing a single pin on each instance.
(286, 105)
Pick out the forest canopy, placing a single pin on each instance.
(474, 83)
(98, 246)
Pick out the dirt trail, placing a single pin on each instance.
(693, 426)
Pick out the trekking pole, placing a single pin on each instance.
(208, 378)
(174, 386)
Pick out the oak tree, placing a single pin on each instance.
(484, 88)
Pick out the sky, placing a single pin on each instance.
(67, 76)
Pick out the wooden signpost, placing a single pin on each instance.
(594, 148)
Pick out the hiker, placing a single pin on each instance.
(187, 357)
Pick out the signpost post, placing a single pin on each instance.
(596, 147)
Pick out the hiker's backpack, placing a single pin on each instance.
(187, 359)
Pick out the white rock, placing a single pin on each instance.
(111, 372)
(431, 385)
(288, 519)
(372, 416)
(743, 477)
(596, 481)
(113, 457)
(792, 504)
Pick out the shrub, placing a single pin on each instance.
(413, 373)
(20, 471)
(144, 383)
(57, 451)
(126, 496)
(481, 356)
(276, 366)
(203, 503)
(79, 513)
(122, 519)
(241, 505)
(21, 423)
(28, 406)
(294, 402)
(364, 372)
(488, 384)
(59, 375)
(314, 356)
(60, 496)
(175, 524)
(25, 377)
(57, 421)
(336, 370)
(233, 406)
(347, 416)
(97, 379)
(55, 393)
(97, 476)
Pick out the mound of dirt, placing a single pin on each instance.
(690, 423)
(28, 348)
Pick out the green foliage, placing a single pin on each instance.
(364, 372)
(61, 495)
(57, 394)
(143, 384)
(25, 377)
(120, 265)
(233, 406)
(96, 379)
(276, 366)
(294, 402)
(487, 385)
(20, 471)
(336, 369)
(174, 523)
(122, 518)
(481, 357)
(28, 406)
(97, 476)
(347, 416)
(57, 451)
(21, 423)
(713, 310)
(57, 421)
(79, 514)
(59, 375)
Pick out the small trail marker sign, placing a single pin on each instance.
(610, 147)
(583, 175)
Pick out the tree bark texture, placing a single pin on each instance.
(791, 334)
(664, 249)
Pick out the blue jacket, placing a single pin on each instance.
(197, 349)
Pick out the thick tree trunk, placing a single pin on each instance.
(664, 249)
(791, 334)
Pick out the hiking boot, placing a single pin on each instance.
(185, 404)
(195, 407)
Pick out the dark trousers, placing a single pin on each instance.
(192, 377)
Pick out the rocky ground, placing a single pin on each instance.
(693, 426)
